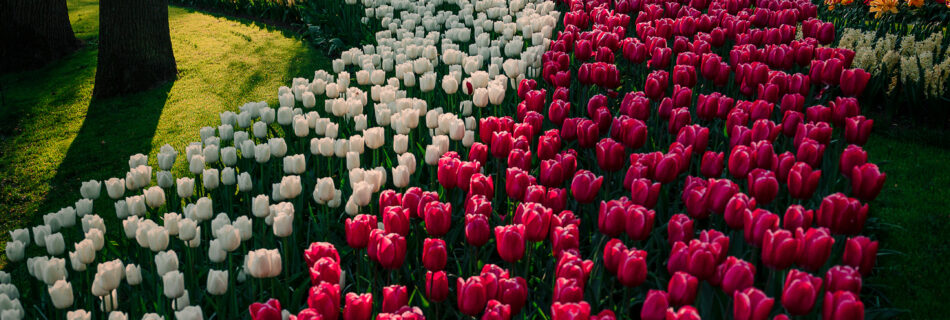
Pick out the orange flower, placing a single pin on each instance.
(880, 7)
(915, 3)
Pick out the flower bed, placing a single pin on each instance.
(667, 160)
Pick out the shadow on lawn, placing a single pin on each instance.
(113, 130)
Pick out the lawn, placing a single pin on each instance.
(52, 137)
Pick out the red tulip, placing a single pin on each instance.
(516, 182)
(325, 300)
(698, 258)
(790, 122)
(802, 181)
(437, 286)
(358, 306)
(712, 164)
(422, 202)
(861, 253)
(842, 305)
(572, 266)
(632, 132)
(638, 222)
(632, 268)
(852, 156)
(357, 230)
(762, 185)
(570, 311)
(496, 310)
(513, 292)
(800, 291)
(404, 313)
(477, 230)
(680, 228)
(679, 118)
(325, 270)
(434, 254)
(737, 208)
(656, 83)
(390, 250)
(448, 171)
(536, 220)
(857, 129)
(501, 144)
(265, 311)
(511, 242)
(558, 111)
(684, 313)
(319, 250)
(797, 217)
(568, 290)
(751, 304)
(682, 288)
(816, 247)
(841, 214)
(740, 161)
(810, 152)
(613, 251)
(394, 297)
(478, 152)
(655, 305)
(585, 186)
(780, 248)
(471, 295)
(867, 181)
(610, 218)
(395, 220)
(564, 239)
(438, 218)
(610, 155)
(853, 81)
(644, 192)
(756, 223)
(482, 185)
(695, 199)
(783, 165)
(587, 133)
(668, 167)
(519, 159)
(734, 275)
(843, 278)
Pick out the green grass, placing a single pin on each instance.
(53, 136)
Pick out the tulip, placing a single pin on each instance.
(510, 242)
(438, 218)
(395, 220)
(841, 214)
(570, 311)
(860, 252)
(394, 297)
(325, 300)
(842, 305)
(61, 293)
(655, 305)
(638, 222)
(516, 182)
(679, 229)
(632, 268)
(843, 278)
(610, 219)
(797, 217)
(133, 274)
(434, 254)
(437, 286)
(644, 192)
(857, 129)
(585, 186)
(802, 180)
(698, 258)
(763, 186)
(610, 155)
(800, 291)
(263, 263)
(166, 261)
(357, 230)
(217, 282)
(265, 311)
(817, 243)
(734, 275)
(448, 171)
(390, 250)
(536, 220)
(319, 250)
(867, 181)
(751, 304)
(756, 223)
(472, 295)
(740, 161)
(853, 81)
(358, 306)
(712, 164)
(780, 248)
(55, 245)
(682, 288)
(325, 270)
(173, 284)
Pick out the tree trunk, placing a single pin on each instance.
(135, 49)
(34, 32)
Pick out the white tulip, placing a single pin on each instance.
(115, 187)
(228, 237)
(78, 315)
(375, 137)
(301, 126)
(130, 225)
(108, 276)
(157, 239)
(187, 229)
(285, 115)
(166, 261)
(136, 205)
(262, 153)
(62, 294)
(215, 253)
(278, 147)
(259, 129)
(155, 196)
(97, 237)
(173, 284)
(229, 156)
(341, 147)
(433, 153)
(227, 176)
(85, 251)
(283, 224)
(189, 313)
(118, 315)
(182, 302)
(290, 187)
(263, 263)
(138, 159)
(165, 179)
(66, 217)
(75, 262)
(22, 235)
(83, 207)
(244, 225)
(55, 245)
(295, 164)
(409, 161)
(210, 178)
(141, 233)
(332, 130)
(401, 176)
(211, 153)
(244, 182)
(15, 250)
(196, 164)
(90, 189)
(39, 235)
(133, 274)
(203, 209)
(259, 206)
(217, 282)
(356, 144)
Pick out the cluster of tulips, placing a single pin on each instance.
(711, 167)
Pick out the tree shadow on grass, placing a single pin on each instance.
(113, 130)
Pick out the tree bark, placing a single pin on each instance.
(33, 33)
(135, 49)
